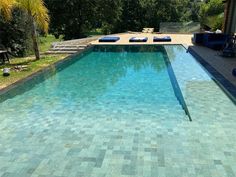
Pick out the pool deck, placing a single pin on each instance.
(184, 39)
(222, 66)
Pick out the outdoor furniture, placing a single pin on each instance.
(214, 41)
(145, 30)
(230, 47)
(109, 39)
(4, 56)
(211, 40)
(198, 38)
(148, 30)
(162, 39)
(138, 39)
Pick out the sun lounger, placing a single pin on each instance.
(148, 30)
(138, 39)
(109, 39)
(162, 39)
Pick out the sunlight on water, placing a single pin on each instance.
(113, 113)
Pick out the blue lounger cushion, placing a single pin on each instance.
(138, 39)
(109, 39)
(162, 39)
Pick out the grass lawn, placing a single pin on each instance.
(31, 64)
(45, 42)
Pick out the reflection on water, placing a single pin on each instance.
(107, 78)
(113, 113)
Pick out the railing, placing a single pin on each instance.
(179, 27)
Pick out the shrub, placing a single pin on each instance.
(15, 34)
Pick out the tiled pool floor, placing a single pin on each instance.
(120, 147)
(89, 141)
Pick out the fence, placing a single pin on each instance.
(178, 27)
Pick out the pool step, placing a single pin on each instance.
(66, 49)
(61, 52)
(71, 46)
(68, 46)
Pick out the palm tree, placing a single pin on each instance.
(6, 7)
(37, 15)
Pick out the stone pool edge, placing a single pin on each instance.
(216, 76)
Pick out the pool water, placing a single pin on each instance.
(114, 112)
(105, 84)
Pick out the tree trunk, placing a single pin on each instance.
(34, 39)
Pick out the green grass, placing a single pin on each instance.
(32, 64)
(32, 67)
(46, 42)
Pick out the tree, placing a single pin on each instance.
(15, 33)
(37, 15)
(75, 18)
(108, 15)
(132, 15)
(6, 7)
(212, 14)
(157, 11)
(72, 18)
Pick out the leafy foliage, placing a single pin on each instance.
(6, 7)
(37, 11)
(15, 34)
(155, 12)
(35, 14)
(75, 18)
(108, 15)
(212, 14)
(71, 18)
(131, 18)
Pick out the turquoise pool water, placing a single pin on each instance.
(114, 112)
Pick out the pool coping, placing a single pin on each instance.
(216, 76)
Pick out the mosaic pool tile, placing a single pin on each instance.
(47, 132)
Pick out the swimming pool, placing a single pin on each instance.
(120, 111)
